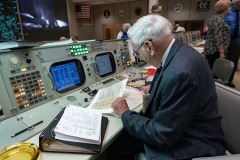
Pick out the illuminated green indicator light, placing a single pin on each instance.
(78, 50)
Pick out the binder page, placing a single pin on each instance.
(134, 98)
(104, 98)
(79, 125)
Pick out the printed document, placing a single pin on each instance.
(104, 98)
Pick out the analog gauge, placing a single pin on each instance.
(14, 61)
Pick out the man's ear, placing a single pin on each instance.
(150, 46)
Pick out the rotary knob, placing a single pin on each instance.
(13, 61)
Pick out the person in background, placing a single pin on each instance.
(181, 119)
(157, 9)
(178, 28)
(232, 20)
(218, 35)
(62, 38)
(123, 33)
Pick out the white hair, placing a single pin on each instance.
(125, 27)
(235, 1)
(150, 27)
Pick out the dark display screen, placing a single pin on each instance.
(67, 75)
(44, 19)
(9, 21)
(105, 64)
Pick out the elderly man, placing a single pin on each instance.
(123, 33)
(179, 28)
(181, 120)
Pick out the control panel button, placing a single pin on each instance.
(85, 99)
(28, 60)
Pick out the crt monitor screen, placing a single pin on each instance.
(44, 20)
(105, 64)
(67, 75)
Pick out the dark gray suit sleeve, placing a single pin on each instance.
(178, 106)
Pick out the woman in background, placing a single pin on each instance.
(218, 35)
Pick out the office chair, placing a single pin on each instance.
(228, 105)
(222, 70)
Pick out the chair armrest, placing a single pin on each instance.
(221, 82)
(225, 157)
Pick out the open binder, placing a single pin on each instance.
(48, 143)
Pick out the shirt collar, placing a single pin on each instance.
(165, 55)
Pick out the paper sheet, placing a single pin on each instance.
(79, 125)
(133, 98)
(104, 98)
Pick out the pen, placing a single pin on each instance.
(16, 134)
(37, 123)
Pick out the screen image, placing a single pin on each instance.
(9, 21)
(44, 19)
(105, 64)
(67, 75)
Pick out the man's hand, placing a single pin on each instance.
(119, 106)
(145, 89)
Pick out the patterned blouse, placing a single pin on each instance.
(218, 34)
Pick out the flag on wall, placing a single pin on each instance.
(83, 11)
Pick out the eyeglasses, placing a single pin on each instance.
(136, 53)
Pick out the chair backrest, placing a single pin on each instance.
(229, 108)
(222, 69)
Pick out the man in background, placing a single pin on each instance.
(179, 28)
(157, 9)
(123, 33)
(232, 20)
(62, 38)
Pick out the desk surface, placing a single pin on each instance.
(114, 128)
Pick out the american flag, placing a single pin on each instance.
(83, 11)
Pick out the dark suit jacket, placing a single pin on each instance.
(181, 120)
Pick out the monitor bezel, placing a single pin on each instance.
(80, 70)
(112, 61)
